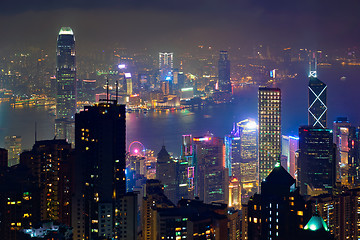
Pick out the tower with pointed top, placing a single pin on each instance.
(317, 104)
(278, 212)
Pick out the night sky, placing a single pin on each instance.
(175, 24)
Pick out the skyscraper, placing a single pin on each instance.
(241, 156)
(66, 84)
(224, 72)
(347, 153)
(279, 212)
(289, 147)
(13, 145)
(100, 163)
(166, 65)
(317, 108)
(50, 162)
(316, 162)
(269, 111)
(166, 173)
(211, 176)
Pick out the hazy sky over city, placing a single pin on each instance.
(181, 23)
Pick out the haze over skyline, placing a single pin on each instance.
(181, 24)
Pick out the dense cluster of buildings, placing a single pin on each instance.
(253, 183)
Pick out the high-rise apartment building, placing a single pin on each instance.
(19, 201)
(224, 72)
(129, 213)
(50, 162)
(317, 108)
(100, 178)
(192, 219)
(341, 212)
(66, 84)
(13, 145)
(316, 161)
(269, 113)
(154, 198)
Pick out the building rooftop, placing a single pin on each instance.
(316, 223)
(66, 31)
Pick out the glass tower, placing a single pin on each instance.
(316, 162)
(65, 84)
(224, 72)
(65, 74)
(269, 113)
(317, 109)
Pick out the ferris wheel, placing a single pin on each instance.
(136, 148)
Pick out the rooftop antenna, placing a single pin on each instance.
(117, 91)
(313, 60)
(107, 90)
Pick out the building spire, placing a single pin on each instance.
(107, 90)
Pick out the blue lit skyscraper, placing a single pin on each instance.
(241, 152)
(66, 84)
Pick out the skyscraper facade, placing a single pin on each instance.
(66, 83)
(224, 72)
(50, 162)
(279, 212)
(241, 152)
(100, 178)
(269, 113)
(316, 162)
(166, 172)
(211, 176)
(166, 65)
(289, 146)
(347, 152)
(317, 108)
(13, 145)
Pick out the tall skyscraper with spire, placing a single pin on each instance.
(317, 108)
(269, 110)
(65, 84)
